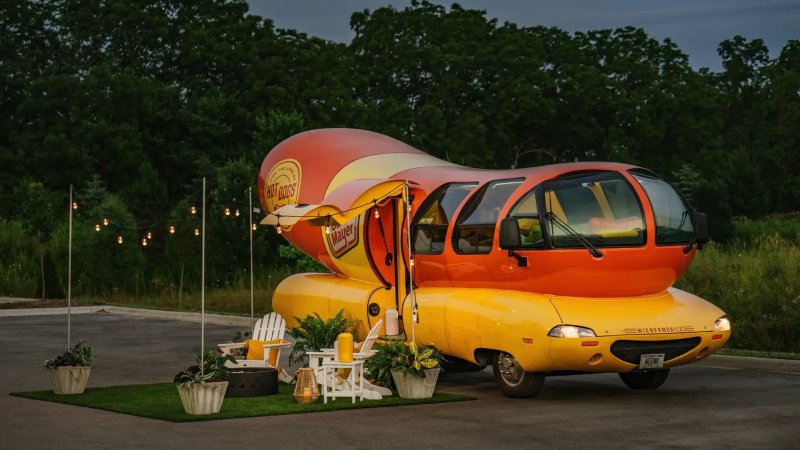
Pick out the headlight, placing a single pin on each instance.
(571, 331)
(722, 324)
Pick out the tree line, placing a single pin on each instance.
(135, 102)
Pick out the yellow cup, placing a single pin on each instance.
(345, 341)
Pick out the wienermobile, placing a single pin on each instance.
(551, 270)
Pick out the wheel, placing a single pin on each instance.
(512, 380)
(456, 365)
(649, 379)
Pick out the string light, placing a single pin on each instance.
(105, 221)
(197, 231)
(97, 227)
(377, 214)
(144, 242)
(236, 213)
(119, 239)
(149, 235)
(74, 205)
(328, 226)
(172, 229)
(278, 229)
(227, 211)
(411, 262)
(193, 210)
(254, 227)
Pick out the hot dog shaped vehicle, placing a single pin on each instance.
(558, 269)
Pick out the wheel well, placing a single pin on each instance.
(485, 356)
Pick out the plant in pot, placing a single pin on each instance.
(412, 370)
(70, 370)
(202, 386)
(312, 334)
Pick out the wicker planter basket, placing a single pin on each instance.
(69, 380)
(203, 398)
(412, 386)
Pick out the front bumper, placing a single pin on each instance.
(596, 355)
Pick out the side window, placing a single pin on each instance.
(431, 222)
(673, 219)
(474, 231)
(526, 212)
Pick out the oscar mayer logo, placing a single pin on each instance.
(282, 185)
(343, 238)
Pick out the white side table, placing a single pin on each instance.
(356, 379)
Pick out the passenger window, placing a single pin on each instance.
(673, 219)
(600, 207)
(527, 214)
(474, 231)
(431, 222)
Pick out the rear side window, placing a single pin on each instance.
(474, 231)
(431, 222)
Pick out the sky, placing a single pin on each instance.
(697, 27)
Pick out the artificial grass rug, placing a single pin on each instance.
(161, 401)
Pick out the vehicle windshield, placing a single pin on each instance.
(673, 219)
(600, 207)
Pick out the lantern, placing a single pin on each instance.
(306, 390)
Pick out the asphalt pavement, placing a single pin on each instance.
(733, 404)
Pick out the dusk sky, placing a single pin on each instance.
(697, 27)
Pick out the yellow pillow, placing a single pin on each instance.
(255, 350)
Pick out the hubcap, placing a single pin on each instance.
(510, 370)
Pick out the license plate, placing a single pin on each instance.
(651, 361)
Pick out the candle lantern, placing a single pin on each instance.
(306, 390)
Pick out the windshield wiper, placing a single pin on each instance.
(569, 230)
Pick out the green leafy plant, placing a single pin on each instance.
(77, 356)
(213, 364)
(395, 355)
(312, 334)
(240, 353)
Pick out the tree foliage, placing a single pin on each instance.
(135, 102)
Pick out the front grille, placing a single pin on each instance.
(631, 351)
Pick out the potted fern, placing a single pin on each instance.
(202, 386)
(312, 334)
(69, 371)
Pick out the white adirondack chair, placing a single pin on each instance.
(316, 361)
(270, 327)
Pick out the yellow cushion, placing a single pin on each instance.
(255, 350)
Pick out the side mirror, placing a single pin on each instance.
(700, 229)
(511, 240)
(509, 234)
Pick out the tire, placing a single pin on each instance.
(456, 365)
(512, 380)
(649, 379)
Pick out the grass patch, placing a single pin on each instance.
(161, 401)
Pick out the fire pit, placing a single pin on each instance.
(252, 382)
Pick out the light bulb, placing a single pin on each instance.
(197, 231)
(327, 229)
(193, 210)
(227, 211)
(236, 213)
(149, 235)
(377, 214)
(144, 242)
(97, 227)
(254, 227)
(119, 239)
(74, 205)
(172, 229)
(105, 222)
(279, 230)
(411, 262)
